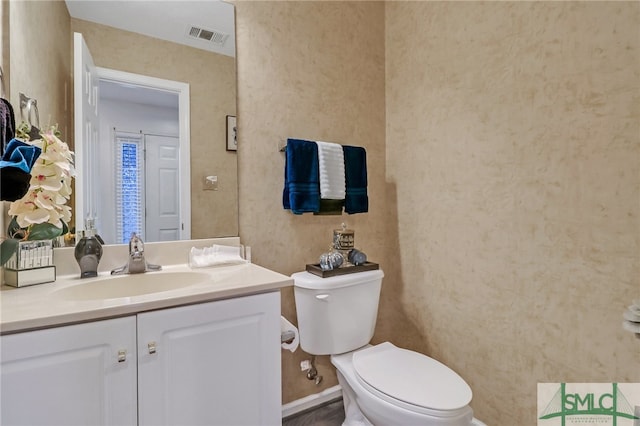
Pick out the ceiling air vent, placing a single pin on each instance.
(212, 36)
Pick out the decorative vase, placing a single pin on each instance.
(88, 253)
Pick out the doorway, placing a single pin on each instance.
(147, 192)
(94, 190)
(146, 111)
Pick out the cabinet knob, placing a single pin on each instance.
(122, 355)
(152, 347)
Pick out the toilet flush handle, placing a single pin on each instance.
(323, 297)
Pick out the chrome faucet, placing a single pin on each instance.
(137, 264)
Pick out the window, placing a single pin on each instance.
(129, 187)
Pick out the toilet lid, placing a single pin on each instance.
(411, 377)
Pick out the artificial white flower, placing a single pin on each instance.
(27, 212)
(46, 177)
(45, 200)
(50, 185)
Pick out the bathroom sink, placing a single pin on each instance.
(114, 287)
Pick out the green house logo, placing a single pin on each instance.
(588, 403)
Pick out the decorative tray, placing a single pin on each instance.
(316, 270)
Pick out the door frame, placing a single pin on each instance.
(184, 134)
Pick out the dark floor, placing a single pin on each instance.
(331, 414)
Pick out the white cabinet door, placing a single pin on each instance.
(72, 375)
(215, 363)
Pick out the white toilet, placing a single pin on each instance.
(381, 385)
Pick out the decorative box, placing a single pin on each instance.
(31, 263)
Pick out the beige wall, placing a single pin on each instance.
(5, 47)
(310, 70)
(504, 168)
(212, 86)
(40, 60)
(510, 197)
(513, 145)
(23, 66)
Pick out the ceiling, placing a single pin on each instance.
(169, 20)
(122, 92)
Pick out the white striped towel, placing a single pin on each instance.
(331, 166)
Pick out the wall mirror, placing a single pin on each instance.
(154, 82)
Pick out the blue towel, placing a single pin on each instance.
(14, 183)
(15, 168)
(20, 155)
(355, 173)
(301, 191)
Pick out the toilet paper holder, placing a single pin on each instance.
(287, 336)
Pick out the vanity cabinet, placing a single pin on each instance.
(214, 363)
(211, 364)
(82, 374)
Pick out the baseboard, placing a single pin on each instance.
(311, 401)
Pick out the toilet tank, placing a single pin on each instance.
(336, 314)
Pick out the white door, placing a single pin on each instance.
(85, 94)
(74, 375)
(211, 364)
(162, 188)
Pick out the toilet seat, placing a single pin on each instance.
(411, 380)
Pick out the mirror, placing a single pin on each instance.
(145, 54)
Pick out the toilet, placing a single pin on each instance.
(381, 384)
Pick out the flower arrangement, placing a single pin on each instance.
(42, 213)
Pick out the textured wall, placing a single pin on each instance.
(212, 87)
(25, 54)
(311, 70)
(506, 214)
(40, 60)
(513, 144)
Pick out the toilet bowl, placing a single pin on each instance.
(382, 385)
(387, 385)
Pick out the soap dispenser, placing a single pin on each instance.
(88, 253)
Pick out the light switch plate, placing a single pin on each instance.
(210, 183)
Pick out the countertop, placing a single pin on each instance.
(48, 305)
